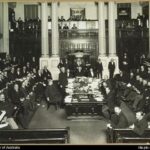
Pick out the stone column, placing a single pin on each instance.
(111, 28)
(44, 30)
(44, 60)
(4, 28)
(55, 32)
(101, 29)
(54, 60)
(149, 31)
(112, 8)
(102, 37)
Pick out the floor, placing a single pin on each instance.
(81, 131)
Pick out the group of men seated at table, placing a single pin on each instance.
(21, 90)
(18, 85)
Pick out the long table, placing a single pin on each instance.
(84, 104)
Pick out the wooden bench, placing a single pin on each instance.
(127, 136)
(35, 136)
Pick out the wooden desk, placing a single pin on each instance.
(83, 101)
(85, 110)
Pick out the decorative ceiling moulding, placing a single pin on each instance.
(117, 1)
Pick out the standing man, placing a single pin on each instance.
(99, 69)
(53, 96)
(111, 68)
(63, 82)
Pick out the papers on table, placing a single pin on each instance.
(69, 91)
(70, 80)
(99, 99)
(91, 86)
(68, 99)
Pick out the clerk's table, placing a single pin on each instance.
(84, 99)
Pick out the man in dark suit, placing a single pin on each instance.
(11, 74)
(63, 78)
(110, 98)
(24, 71)
(18, 73)
(46, 75)
(28, 67)
(142, 72)
(79, 72)
(125, 64)
(16, 95)
(118, 120)
(6, 105)
(63, 82)
(99, 68)
(52, 94)
(120, 77)
(140, 125)
(111, 68)
(69, 73)
(39, 76)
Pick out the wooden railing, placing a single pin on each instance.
(127, 136)
(35, 136)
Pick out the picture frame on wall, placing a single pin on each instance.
(124, 11)
(77, 13)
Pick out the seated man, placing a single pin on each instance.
(118, 120)
(111, 101)
(140, 125)
(3, 122)
(69, 73)
(52, 94)
(6, 114)
(79, 72)
(132, 95)
(16, 95)
(46, 75)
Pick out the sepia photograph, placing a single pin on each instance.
(74, 72)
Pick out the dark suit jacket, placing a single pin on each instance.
(111, 66)
(15, 97)
(24, 73)
(63, 79)
(11, 76)
(140, 126)
(99, 67)
(79, 74)
(119, 121)
(39, 78)
(111, 100)
(47, 74)
(8, 107)
(70, 75)
(18, 75)
(53, 93)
